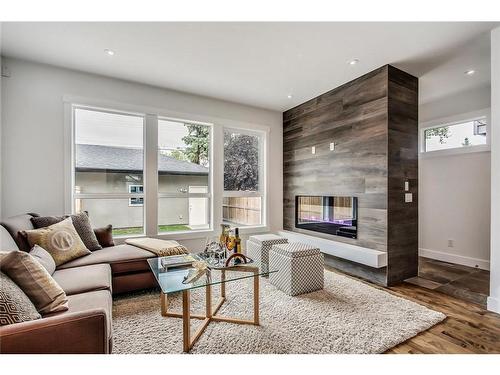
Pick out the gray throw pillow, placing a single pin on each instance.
(44, 258)
(15, 306)
(81, 222)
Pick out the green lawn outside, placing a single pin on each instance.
(172, 228)
(138, 230)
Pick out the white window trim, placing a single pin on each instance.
(454, 120)
(150, 168)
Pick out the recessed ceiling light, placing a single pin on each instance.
(289, 96)
(353, 62)
(109, 52)
(470, 72)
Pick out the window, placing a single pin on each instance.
(136, 189)
(480, 127)
(109, 152)
(108, 169)
(183, 176)
(458, 135)
(243, 178)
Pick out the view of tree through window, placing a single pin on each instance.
(241, 162)
(469, 133)
(194, 146)
(242, 203)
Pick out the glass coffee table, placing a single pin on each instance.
(172, 280)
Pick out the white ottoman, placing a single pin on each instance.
(300, 268)
(258, 247)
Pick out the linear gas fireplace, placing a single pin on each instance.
(327, 214)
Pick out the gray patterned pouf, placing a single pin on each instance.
(258, 247)
(300, 268)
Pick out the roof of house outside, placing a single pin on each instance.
(122, 159)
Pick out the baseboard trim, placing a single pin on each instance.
(453, 258)
(493, 304)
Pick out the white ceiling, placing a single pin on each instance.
(260, 64)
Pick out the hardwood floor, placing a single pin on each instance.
(468, 328)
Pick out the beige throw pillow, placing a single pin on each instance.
(60, 240)
(34, 281)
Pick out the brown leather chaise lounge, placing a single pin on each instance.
(89, 283)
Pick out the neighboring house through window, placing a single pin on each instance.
(183, 176)
(108, 158)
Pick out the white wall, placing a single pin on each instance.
(454, 203)
(33, 130)
(461, 102)
(494, 299)
(454, 190)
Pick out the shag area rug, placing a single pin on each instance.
(347, 316)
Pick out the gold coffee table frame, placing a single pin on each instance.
(210, 314)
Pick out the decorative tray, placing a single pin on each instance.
(225, 263)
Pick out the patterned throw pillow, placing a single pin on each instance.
(82, 225)
(34, 280)
(15, 306)
(61, 241)
(44, 258)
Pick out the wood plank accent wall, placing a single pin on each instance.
(402, 218)
(373, 122)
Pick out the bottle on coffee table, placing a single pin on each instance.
(237, 245)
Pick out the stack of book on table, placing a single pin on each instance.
(177, 260)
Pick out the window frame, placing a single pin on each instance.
(261, 192)
(150, 176)
(483, 114)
